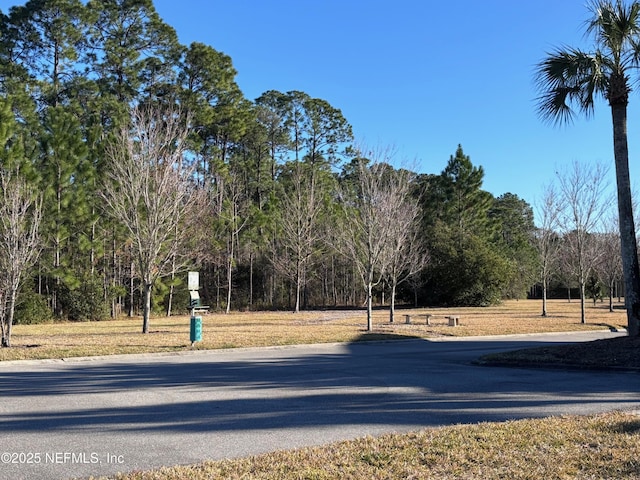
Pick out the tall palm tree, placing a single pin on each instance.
(573, 78)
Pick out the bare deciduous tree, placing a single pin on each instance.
(546, 240)
(609, 265)
(583, 191)
(299, 227)
(149, 190)
(20, 215)
(234, 214)
(371, 205)
(407, 250)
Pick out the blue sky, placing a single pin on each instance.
(421, 76)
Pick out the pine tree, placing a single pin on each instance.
(514, 235)
(61, 165)
(466, 267)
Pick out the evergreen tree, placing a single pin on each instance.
(220, 113)
(466, 267)
(465, 205)
(15, 82)
(132, 50)
(48, 39)
(514, 237)
(61, 165)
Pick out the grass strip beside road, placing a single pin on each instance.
(616, 353)
(576, 447)
(260, 329)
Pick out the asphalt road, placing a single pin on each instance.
(76, 418)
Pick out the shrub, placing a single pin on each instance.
(86, 302)
(160, 296)
(32, 309)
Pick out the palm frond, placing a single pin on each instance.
(634, 47)
(554, 108)
(568, 78)
(615, 26)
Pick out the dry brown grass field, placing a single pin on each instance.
(592, 447)
(257, 329)
(600, 446)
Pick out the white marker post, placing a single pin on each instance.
(193, 283)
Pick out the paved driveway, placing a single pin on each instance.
(77, 418)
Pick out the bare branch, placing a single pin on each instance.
(149, 190)
(20, 215)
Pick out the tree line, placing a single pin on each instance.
(128, 158)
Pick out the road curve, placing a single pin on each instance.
(82, 417)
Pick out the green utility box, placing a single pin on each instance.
(196, 329)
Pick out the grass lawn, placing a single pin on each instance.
(257, 329)
(588, 447)
(582, 447)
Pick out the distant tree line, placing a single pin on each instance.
(137, 158)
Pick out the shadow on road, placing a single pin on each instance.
(413, 382)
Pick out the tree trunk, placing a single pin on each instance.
(6, 335)
(544, 297)
(583, 318)
(131, 290)
(392, 308)
(628, 244)
(369, 307)
(229, 281)
(114, 275)
(173, 277)
(170, 301)
(298, 287)
(611, 287)
(6, 339)
(250, 281)
(10, 315)
(146, 311)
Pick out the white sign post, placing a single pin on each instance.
(193, 281)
